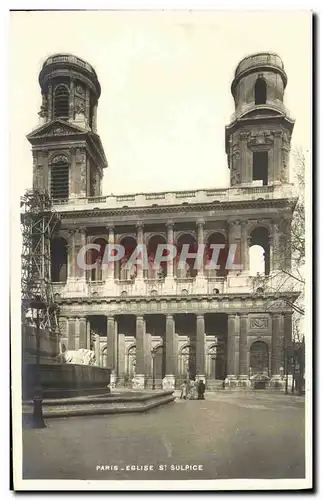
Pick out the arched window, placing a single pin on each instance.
(259, 358)
(61, 102)
(260, 91)
(59, 178)
(58, 251)
(259, 252)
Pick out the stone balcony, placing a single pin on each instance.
(242, 193)
(237, 283)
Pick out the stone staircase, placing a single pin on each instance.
(103, 404)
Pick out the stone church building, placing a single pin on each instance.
(160, 327)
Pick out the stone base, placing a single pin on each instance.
(75, 286)
(122, 402)
(113, 380)
(138, 382)
(243, 381)
(168, 382)
(201, 377)
(231, 381)
(169, 285)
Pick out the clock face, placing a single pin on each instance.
(79, 89)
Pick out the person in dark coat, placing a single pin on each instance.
(201, 390)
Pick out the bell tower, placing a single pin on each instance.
(259, 134)
(68, 156)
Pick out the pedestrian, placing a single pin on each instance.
(201, 390)
(194, 389)
(184, 390)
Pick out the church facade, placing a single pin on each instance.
(159, 326)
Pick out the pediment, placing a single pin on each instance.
(56, 128)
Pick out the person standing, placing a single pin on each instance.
(184, 390)
(201, 390)
(194, 389)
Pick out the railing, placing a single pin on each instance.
(169, 198)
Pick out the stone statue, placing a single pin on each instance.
(80, 357)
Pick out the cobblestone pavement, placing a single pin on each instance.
(229, 435)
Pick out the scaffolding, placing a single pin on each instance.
(39, 221)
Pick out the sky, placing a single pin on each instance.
(165, 79)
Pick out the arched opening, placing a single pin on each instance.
(216, 362)
(216, 239)
(187, 363)
(186, 269)
(125, 273)
(260, 91)
(58, 259)
(259, 252)
(96, 257)
(256, 260)
(259, 358)
(154, 271)
(260, 167)
(59, 178)
(61, 102)
(158, 365)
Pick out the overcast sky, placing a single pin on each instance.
(165, 81)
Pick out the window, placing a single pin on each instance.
(59, 185)
(260, 91)
(61, 102)
(260, 167)
(58, 249)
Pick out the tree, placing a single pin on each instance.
(290, 278)
(288, 281)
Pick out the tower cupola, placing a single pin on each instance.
(259, 134)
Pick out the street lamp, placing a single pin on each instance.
(153, 368)
(37, 417)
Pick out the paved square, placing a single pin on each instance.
(229, 435)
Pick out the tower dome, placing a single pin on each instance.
(259, 134)
(259, 80)
(70, 90)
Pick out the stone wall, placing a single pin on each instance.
(65, 380)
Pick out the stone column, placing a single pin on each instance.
(287, 341)
(88, 335)
(110, 341)
(200, 347)
(170, 227)
(234, 238)
(71, 98)
(110, 269)
(97, 348)
(139, 380)
(277, 361)
(169, 379)
(80, 242)
(246, 166)
(139, 226)
(244, 246)
(231, 334)
(121, 357)
(71, 268)
(274, 241)
(201, 238)
(275, 170)
(82, 333)
(71, 333)
(243, 371)
(111, 349)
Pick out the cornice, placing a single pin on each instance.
(218, 207)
